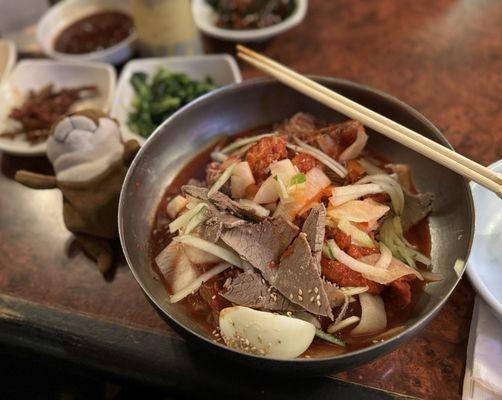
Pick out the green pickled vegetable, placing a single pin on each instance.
(158, 99)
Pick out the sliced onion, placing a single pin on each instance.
(281, 188)
(184, 218)
(195, 285)
(211, 248)
(224, 177)
(359, 211)
(258, 210)
(366, 266)
(342, 324)
(175, 267)
(385, 257)
(373, 316)
(358, 236)
(370, 168)
(176, 205)
(332, 164)
(353, 290)
(390, 186)
(218, 156)
(241, 178)
(195, 221)
(244, 141)
(431, 276)
(355, 148)
(342, 194)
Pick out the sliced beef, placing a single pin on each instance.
(416, 208)
(222, 202)
(249, 289)
(298, 278)
(314, 227)
(261, 244)
(216, 221)
(335, 295)
(300, 125)
(336, 137)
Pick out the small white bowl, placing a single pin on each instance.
(8, 56)
(205, 18)
(485, 261)
(34, 74)
(221, 68)
(63, 14)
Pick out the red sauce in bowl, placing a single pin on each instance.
(94, 32)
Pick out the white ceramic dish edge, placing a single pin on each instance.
(474, 269)
(10, 54)
(204, 18)
(64, 13)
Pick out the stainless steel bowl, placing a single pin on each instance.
(243, 106)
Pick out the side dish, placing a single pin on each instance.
(94, 32)
(156, 100)
(251, 14)
(295, 241)
(41, 108)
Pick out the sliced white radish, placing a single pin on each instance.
(241, 178)
(316, 180)
(267, 193)
(175, 266)
(198, 256)
(193, 286)
(284, 170)
(359, 211)
(176, 205)
(212, 248)
(373, 316)
(264, 333)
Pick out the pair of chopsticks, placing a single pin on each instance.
(407, 137)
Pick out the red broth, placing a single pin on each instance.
(197, 306)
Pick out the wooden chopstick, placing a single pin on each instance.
(379, 123)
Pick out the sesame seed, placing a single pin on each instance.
(312, 299)
(291, 296)
(214, 297)
(300, 298)
(289, 313)
(300, 292)
(318, 297)
(316, 290)
(318, 303)
(309, 291)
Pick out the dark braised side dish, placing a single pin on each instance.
(296, 241)
(94, 32)
(251, 14)
(42, 108)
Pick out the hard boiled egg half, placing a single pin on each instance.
(264, 333)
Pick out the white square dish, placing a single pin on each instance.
(35, 74)
(8, 57)
(222, 69)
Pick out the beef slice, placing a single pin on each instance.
(314, 227)
(249, 289)
(299, 280)
(261, 244)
